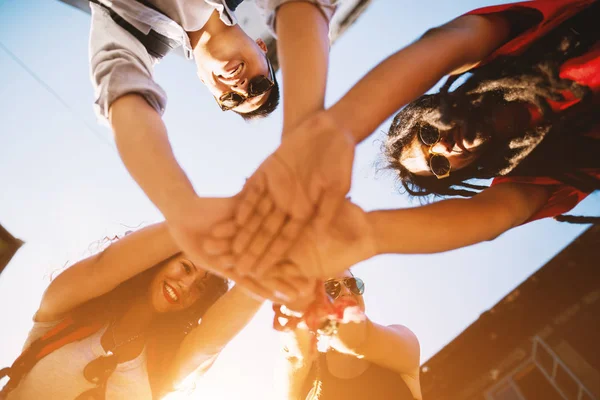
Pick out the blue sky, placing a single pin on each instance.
(63, 186)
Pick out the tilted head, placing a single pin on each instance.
(235, 69)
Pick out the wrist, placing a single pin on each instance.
(377, 226)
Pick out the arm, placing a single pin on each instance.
(295, 363)
(355, 235)
(454, 223)
(102, 272)
(220, 324)
(143, 144)
(303, 45)
(415, 69)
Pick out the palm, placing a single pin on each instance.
(326, 253)
(307, 177)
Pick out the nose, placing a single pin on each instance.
(444, 146)
(344, 291)
(241, 86)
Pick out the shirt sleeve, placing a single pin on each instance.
(119, 65)
(563, 198)
(550, 13)
(269, 9)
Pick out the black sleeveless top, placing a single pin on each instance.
(374, 383)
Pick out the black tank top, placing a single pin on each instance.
(374, 383)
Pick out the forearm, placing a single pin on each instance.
(220, 324)
(413, 70)
(102, 272)
(454, 223)
(143, 144)
(303, 45)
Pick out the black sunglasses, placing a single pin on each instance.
(98, 371)
(256, 86)
(438, 164)
(333, 287)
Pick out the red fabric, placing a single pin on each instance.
(584, 70)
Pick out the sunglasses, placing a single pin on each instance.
(256, 86)
(333, 287)
(98, 371)
(438, 164)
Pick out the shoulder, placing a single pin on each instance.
(405, 333)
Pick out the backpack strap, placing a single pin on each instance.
(67, 331)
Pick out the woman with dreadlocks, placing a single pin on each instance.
(527, 115)
(124, 324)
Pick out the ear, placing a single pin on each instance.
(262, 45)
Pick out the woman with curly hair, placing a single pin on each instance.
(526, 114)
(131, 322)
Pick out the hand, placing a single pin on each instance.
(346, 241)
(191, 235)
(306, 178)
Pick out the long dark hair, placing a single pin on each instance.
(555, 147)
(163, 336)
(166, 331)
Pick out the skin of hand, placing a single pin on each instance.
(347, 240)
(192, 234)
(316, 254)
(305, 179)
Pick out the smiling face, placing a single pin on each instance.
(230, 63)
(177, 285)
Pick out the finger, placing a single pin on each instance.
(246, 232)
(280, 245)
(261, 240)
(224, 230)
(291, 273)
(329, 204)
(215, 247)
(250, 196)
(225, 261)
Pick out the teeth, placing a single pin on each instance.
(171, 292)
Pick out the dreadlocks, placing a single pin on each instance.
(554, 147)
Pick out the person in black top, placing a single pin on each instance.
(364, 359)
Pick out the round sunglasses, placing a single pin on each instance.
(256, 86)
(333, 287)
(438, 164)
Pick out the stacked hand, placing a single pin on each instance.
(292, 223)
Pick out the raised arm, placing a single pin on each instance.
(413, 70)
(354, 235)
(124, 259)
(143, 144)
(303, 51)
(294, 364)
(220, 324)
(102, 272)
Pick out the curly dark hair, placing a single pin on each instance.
(267, 107)
(547, 149)
(164, 335)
